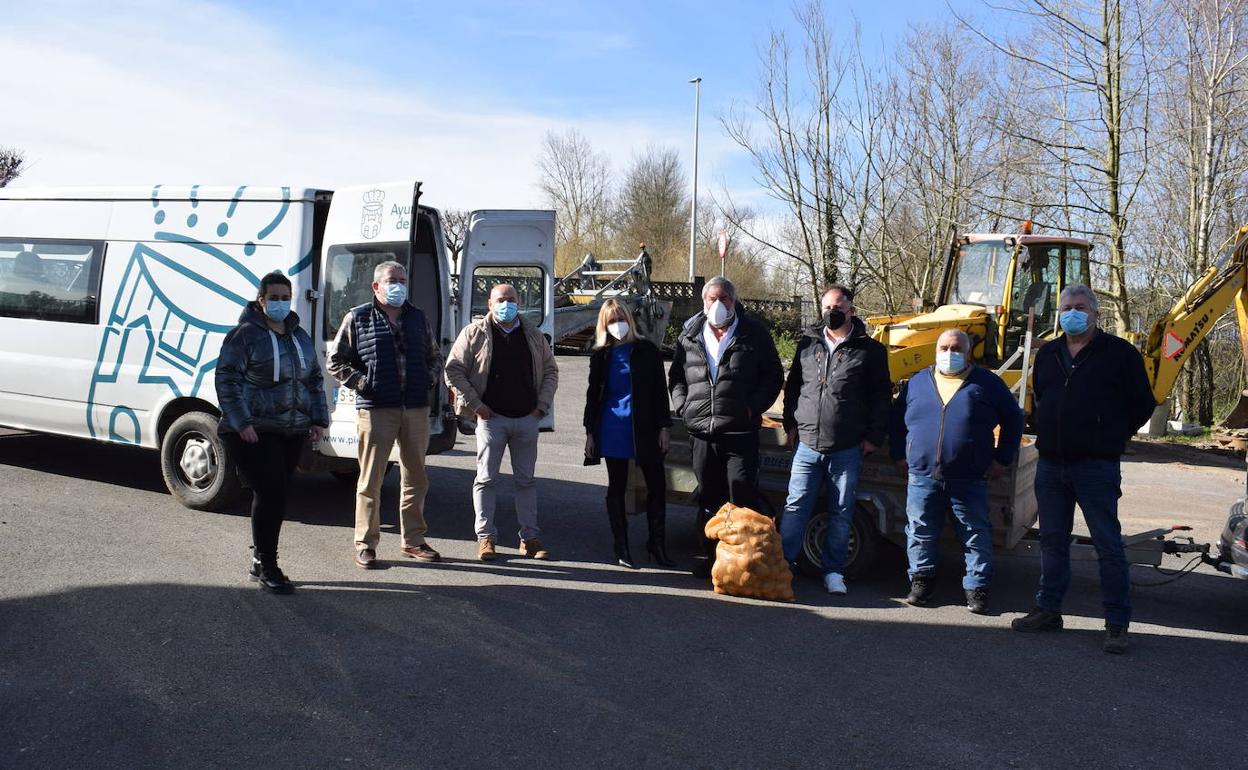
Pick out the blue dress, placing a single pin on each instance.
(616, 434)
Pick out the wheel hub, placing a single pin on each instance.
(198, 462)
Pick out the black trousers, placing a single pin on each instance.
(727, 470)
(266, 467)
(656, 484)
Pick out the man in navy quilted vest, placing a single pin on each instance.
(387, 353)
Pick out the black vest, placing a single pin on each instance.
(374, 343)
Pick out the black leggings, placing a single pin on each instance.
(266, 467)
(656, 484)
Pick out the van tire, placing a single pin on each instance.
(196, 464)
(864, 544)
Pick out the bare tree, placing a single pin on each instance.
(1203, 126)
(792, 133)
(12, 163)
(455, 232)
(575, 181)
(652, 208)
(1094, 55)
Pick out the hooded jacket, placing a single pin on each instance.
(838, 401)
(269, 381)
(750, 377)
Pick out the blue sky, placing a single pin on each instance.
(329, 93)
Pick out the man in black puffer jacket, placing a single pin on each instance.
(724, 375)
(1092, 393)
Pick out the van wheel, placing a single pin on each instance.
(196, 464)
(863, 545)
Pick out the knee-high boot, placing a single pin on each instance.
(619, 531)
(702, 567)
(656, 518)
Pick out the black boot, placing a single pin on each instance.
(264, 570)
(702, 567)
(656, 546)
(619, 531)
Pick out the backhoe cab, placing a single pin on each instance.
(989, 284)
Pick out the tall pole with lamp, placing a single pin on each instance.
(693, 216)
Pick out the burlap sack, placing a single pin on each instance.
(749, 558)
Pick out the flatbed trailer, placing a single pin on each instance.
(880, 512)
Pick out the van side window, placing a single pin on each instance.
(50, 280)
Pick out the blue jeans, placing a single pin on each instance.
(927, 500)
(810, 469)
(1096, 486)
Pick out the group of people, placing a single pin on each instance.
(951, 429)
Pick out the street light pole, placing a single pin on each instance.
(693, 216)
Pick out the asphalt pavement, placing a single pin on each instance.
(130, 637)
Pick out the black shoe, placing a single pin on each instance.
(619, 532)
(921, 590)
(977, 601)
(265, 571)
(656, 545)
(1115, 639)
(658, 554)
(1038, 619)
(702, 569)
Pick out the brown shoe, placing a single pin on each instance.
(422, 552)
(366, 558)
(485, 550)
(533, 549)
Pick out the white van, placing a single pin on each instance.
(114, 303)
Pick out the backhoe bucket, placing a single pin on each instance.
(1238, 418)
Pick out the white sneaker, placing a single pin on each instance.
(835, 583)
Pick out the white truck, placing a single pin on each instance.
(114, 303)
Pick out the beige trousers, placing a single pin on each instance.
(377, 430)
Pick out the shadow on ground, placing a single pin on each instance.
(388, 674)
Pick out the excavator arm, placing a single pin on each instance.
(1175, 335)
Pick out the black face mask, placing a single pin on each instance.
(833, 319)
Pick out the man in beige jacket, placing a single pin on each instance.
(504, 371)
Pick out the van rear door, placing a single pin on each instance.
(367, 225)
(515, 247)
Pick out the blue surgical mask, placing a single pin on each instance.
(950, 361)
(277, 309)
(1074, 322)
(396, 294)
(505, 312)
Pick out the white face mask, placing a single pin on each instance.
(618, 329)
(718, 314)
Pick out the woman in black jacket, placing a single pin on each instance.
(272, 400)
(626, 418)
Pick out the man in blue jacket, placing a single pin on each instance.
(1092, 393)
(942, 436)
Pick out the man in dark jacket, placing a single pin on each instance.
(1092, 394)
(942, 438)
(725, 373)
(835, 412)
(387, 352)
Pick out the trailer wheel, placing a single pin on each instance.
(863, 544)
(196, 464)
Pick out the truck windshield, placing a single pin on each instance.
(982, 269)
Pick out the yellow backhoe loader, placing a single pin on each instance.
(992, 284)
